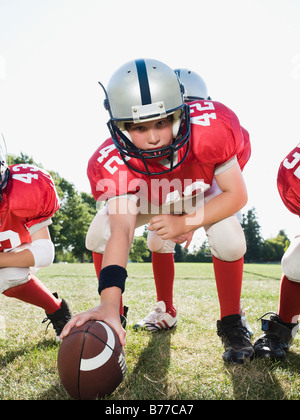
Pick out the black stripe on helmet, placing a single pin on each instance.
(177, 71)
(143, 82)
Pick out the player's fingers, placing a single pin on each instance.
(67, 328)
(122, 335)
(179, 239)
(156, 221)
(166, 236)
(188, 242)
(156, 226)
(77, 321)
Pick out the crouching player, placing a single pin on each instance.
(28, 200)
(159, 163)
(281, 328)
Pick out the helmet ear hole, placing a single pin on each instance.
(106, 104)
(122, 127)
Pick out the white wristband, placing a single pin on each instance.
(43, 252)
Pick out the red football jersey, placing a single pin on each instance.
(288, 180)
(216, 137)
(29, 198)
(244, 155)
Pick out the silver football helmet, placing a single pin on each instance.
(194, 86)
(144, 90)
(4, 170)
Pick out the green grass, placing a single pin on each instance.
(185, 364)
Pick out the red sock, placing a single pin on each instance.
(289, 300)
(229, 276)
(98, 258)
(164, 271)
(35, 293)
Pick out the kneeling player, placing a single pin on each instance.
(281, 328)
(28, 200)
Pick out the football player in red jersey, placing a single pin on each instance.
(28, 200)
(156, 167)
(281, 329)
(164, 314)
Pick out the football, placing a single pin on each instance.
(91, 361)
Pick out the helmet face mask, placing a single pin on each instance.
(141, 91)
(129, 151)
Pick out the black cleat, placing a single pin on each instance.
(277, 338)
(123, 318)
(234, 336)
(59, 318)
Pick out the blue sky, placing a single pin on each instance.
(53, 52)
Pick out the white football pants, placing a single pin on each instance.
(290, 262)
(226, 238)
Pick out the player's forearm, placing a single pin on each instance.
(222, 206)
(113, 274)
(117, 249)
(18, 258)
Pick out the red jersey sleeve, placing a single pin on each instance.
(288, 180)
(32, 194)
(244, 155)
(216, 132)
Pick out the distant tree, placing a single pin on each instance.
(23, 158)
(254, 239)
(139, 249)
(274, 248)
(180, 253)
(202, 254)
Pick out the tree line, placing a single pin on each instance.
(77, 210)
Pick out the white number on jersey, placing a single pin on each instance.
(12, 237)
(291, 165)
(205, 118)
(105, 152)
(27, 177)
(114, 159)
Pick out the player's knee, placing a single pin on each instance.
(230, 253)
(91, 240)
(94, 243)
(290, 261)
(156, 244)
(227, 240)
(98, 233)
(12, 277)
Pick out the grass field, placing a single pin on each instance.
(185, 364)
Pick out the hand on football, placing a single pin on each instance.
(102, 312)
